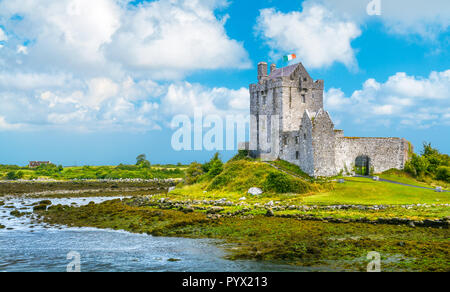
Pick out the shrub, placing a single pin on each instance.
(12, 175)
(278, 182)
(443, 173)
(193, 173)
(216, 168)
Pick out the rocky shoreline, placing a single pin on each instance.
(216, 209)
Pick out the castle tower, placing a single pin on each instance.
(277, 104)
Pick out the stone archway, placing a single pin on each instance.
(362, 165)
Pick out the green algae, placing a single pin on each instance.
(307, 243)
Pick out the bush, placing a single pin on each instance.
(443, 173)
(193, 173)
(12, 175)
(278, 182)
(214, 167)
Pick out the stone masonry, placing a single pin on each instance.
(288, 122)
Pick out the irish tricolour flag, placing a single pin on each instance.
(289, 57)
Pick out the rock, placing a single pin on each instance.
(171, 189)
(270, 204)
(187, 209)
(270, 213)
(243, 199)
(341, 181)
(376, 178)
(411, 224)
(255, 191)
(214, 210)
(439, 189)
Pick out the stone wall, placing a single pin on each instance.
(323, 143)
(384, 153)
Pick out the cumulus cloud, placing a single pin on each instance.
(170, 38)
(165, 39)
(103, 104)
(427, 19)
(406, 100)
(186, 98)
(109, 64)
(316, 35)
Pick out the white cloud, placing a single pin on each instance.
(165, 39)
(93, 65)
(318, 36)
(186, 98)
(170, 38)
(408, 100)
(425, 18)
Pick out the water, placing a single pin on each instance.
(30, 247)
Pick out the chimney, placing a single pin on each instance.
(262, 70)
(273, 67)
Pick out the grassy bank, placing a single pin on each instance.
(81, 188)
(92, 172)
(270, 238)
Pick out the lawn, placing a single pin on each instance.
(368, 192)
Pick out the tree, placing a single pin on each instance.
(142, 161)
(214, 167)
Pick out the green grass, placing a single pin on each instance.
(368, 192)
(292, 168)
(403, 177)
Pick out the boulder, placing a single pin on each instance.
(243, 199)
(376, 178)
(269, 213)
(171, 189)
(255, 191)
(439, 189)
(214, 210)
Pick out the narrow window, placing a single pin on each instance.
(297, 140)
(305, 136)
(297, 155)
(285, 141)
(290, 98)
(304, 98)
(264, 100)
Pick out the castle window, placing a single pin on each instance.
(264, 100)
(305, 136)
(297, 155)
(303, 98)
(290, 98)
(285, 141)
(305, 79)
(297, 140)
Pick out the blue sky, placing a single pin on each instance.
(92, 83)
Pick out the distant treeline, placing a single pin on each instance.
(122, 171)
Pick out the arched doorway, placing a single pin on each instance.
(362, 165)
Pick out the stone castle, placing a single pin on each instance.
(288, 122)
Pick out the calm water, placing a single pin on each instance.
(28, 247)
